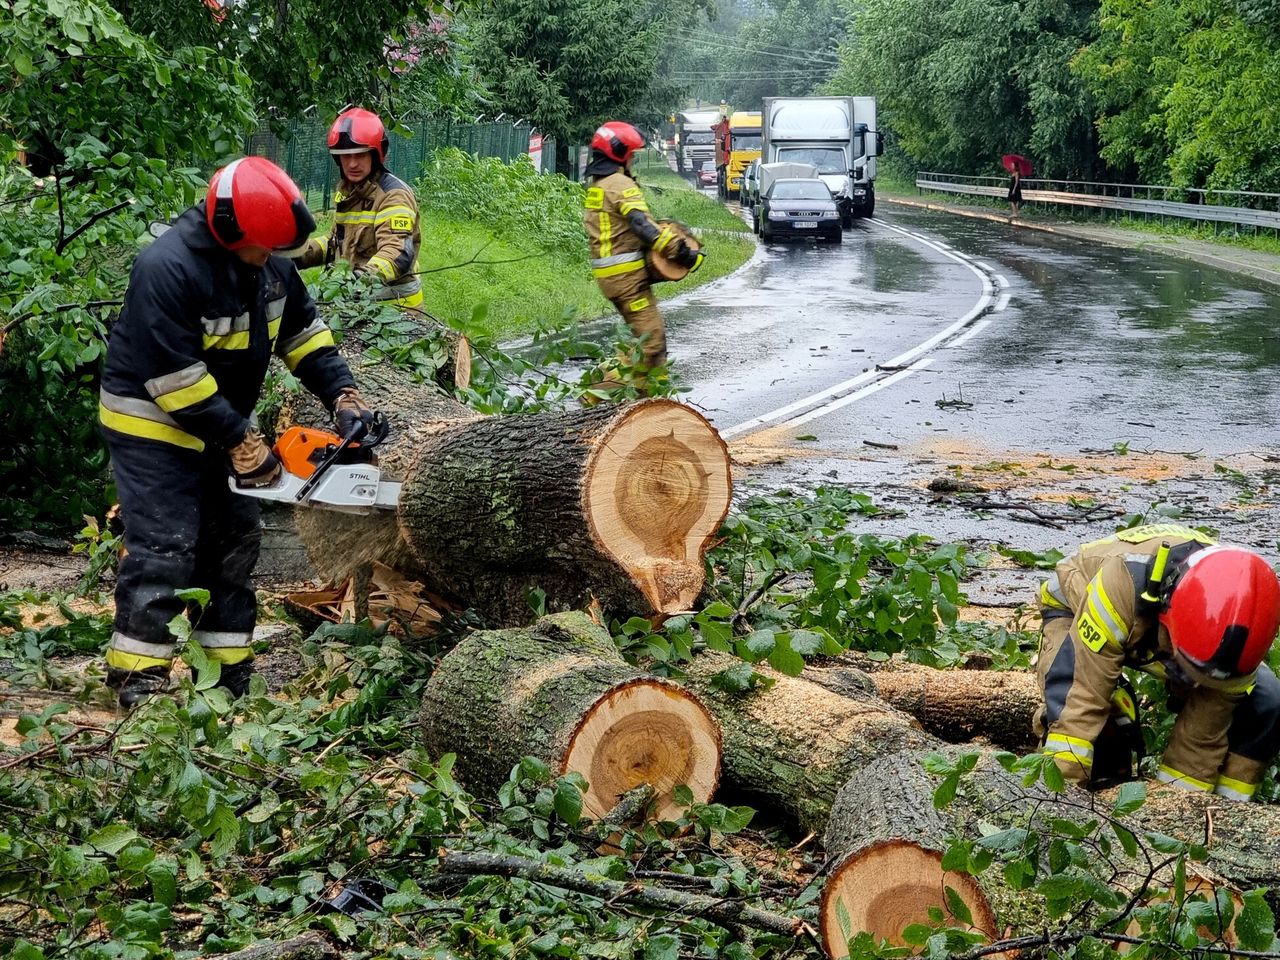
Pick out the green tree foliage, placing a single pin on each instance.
(113, 124)
(311, 53)
(567, 65)
(1187, 91)
(961, 82)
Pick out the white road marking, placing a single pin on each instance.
(1002, 282)
(884, 373)
(1002, 302)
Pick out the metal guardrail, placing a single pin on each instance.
(1255, 210)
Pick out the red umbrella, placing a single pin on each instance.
(1016, 163)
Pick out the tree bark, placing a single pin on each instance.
(958, 706)
(561, 692)
(793, 745)
(309, 946)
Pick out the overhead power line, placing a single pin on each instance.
(763, 51)
(769, 49)
(738, 38)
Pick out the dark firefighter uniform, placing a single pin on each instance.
(185, 364)
(1096, 624)
(376, 230)
(620, 230)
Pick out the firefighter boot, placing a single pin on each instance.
(134, 686)
(234, 678)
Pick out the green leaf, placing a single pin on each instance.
(25, 950)
(916, 934)
(807, 643)
(736, 679)
(568, 802)
(20, 268)
(1256, 924)
(1130, 797)
(22, 63)
(718, 610)
(682, 795)
(760, 643)
(946, 791)
(1012, 839)
(113, 838)
(665, 946)
(959, 909)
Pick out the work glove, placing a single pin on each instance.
(253, 462)
(350, 412)
(686, 256)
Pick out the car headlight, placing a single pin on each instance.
(777, 215)
(830, 214)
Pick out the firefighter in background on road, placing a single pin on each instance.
(207, 306)
(375, 226)
(1166, 600)
(620, 231)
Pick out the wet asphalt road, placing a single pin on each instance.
(1047, 369)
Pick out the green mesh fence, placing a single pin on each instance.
(304, 152)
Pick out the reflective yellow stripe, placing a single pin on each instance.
(1235, 789)
(294, 357)
(133, 661)
(1062, 747)
(639, 304)
(1118, 624)
(1167, 774)
(595, 198)
(229, 341)
(618, 268)
(273, 330)
(606, 235)
(228, 655)
(202, 389)
(632, 205)
(413, 300)
(140, 427)
(374, 216)
(383, 266)
(322, 243)
(665, 237)
(1047, 599)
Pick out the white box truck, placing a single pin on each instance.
(696, 139)
(837, 135)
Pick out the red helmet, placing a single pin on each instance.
(252, 203)
(1222, 612)
(358, 131)
(617, 140)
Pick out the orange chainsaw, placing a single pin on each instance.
(322, 469)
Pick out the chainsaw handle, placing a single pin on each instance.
(323, 467)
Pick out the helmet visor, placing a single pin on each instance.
(1213, 678)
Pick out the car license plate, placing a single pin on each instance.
(805, 226)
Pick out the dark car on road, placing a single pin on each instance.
(798, 208)
(708, 175)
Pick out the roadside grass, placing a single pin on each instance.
(526, 260)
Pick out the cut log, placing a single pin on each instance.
(616, 503)
(613, 503)
(561, 692)
(883, 888)
(793, 745)
(890, 801)
(958, 706)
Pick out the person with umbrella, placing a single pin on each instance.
(1019, 167)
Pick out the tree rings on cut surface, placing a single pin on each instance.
(886, 887)
(645, 731)
(657, 487)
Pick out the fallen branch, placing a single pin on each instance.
(100, 215)
(722, 912)
(1014, 945)
(629, 807)
(306, 947)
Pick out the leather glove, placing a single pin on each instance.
(351, 413)
(253, 462)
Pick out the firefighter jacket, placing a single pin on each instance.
(618, 224)
(375, 229)
(1096, 623)
(188, 356)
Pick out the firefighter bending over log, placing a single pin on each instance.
(1167, 600)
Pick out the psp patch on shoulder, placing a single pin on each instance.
(403, 224)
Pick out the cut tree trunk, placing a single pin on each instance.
(614, 503)
(889, 802)
(560, 691)
(794, 744)
(957, 706)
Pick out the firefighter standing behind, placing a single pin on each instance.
(375, 226)
(620, 231)
(1166, 600)
(207, 306)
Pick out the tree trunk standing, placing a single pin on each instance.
(560, 691)
(795, 744)
(958, 706)
(890, 802)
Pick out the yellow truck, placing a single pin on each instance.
(738, 142)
